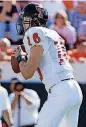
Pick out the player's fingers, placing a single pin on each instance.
(18, 47)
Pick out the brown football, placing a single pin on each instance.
(14, 63)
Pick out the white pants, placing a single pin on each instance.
(62, 107)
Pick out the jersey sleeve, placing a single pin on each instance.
(34, 37)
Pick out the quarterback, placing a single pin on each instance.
(47, 55)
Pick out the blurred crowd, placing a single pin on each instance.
(24, 104)
(68, 18)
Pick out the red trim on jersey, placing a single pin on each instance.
(29, 40)
(40, 73)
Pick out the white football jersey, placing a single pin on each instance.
(54, 65)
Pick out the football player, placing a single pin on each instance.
(47, 55)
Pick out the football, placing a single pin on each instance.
(14, 63)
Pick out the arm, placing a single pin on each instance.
(28, 68)
(6, 108)
(26, 98)
(14, 17)
(14, 13)
(7, 115)
(3, 17)
(15, 101)
(31, 97)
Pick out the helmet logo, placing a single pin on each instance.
(21, 14)
(39, 9)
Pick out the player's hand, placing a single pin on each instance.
(18, 51)
(16, 94)
(22, 93)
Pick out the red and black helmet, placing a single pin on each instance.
(35, 15)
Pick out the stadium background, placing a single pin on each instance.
(77, 59)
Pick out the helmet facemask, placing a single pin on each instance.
(27, 23)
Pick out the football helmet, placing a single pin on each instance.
(33, 14)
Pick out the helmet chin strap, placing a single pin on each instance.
(29, 23)
(27, 27)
